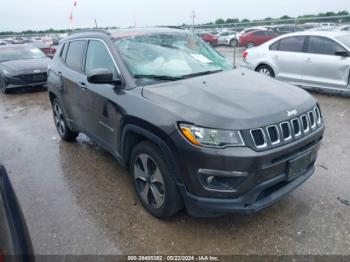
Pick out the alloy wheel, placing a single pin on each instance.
(149, 181)
(250, 45)
(265, 71)
(59, 119)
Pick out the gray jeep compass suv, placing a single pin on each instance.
(193, 131)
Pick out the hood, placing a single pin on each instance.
(235, 99)
(27, 66)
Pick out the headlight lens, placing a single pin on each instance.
(6, 72)
(211, 137)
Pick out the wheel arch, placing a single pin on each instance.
(265, 64)
(133, 133)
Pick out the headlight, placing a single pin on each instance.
(211, 137)
(8, 73)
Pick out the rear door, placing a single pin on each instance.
(287, 55)
(321, 67)
(74, 82)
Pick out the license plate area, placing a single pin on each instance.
(298, 166)
(38, 78)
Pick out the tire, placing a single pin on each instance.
(250, 45)
(153, 181)
(233, 43)
(61, 124)
(265, 70)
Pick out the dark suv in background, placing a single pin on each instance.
(192, 131)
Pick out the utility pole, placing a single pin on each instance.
(96, 23)
(193, 17)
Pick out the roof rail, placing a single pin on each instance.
(92, 30)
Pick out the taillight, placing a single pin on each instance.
(245, 54)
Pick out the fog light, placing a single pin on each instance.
(210, 179)
(222, 180)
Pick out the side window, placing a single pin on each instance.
(97, 56)
(259, 33)
(75, 54)
(274, 46)
(322, 45)
(64, 51)
(292, 44)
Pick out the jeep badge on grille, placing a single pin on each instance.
(292, 113)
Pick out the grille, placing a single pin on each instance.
(286, 131)
(33, 78)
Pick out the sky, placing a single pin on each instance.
(18, 15)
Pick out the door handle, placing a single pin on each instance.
(308, 60)
(82, 85)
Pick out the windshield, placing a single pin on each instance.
(345, 39)
(169, 54)
(20, 52)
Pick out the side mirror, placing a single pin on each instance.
(341, 53)
(102, 76)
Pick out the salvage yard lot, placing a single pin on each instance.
(77, 200)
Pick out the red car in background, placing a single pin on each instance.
(45, 48)
(256, 38)
(209, 38)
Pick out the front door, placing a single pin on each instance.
(321, 67)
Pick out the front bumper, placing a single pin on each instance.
(266, 182)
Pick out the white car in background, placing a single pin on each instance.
(227, 38)
(310, 59)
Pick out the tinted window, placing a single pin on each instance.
(292, 44)
(97, 56)
(345, 40)
(64, 51)
(274, 46)
(75, 54)
(259, 33)
(322, 45)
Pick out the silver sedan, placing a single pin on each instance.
(312, 60)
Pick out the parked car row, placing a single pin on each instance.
(258, 35)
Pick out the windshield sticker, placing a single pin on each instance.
(201, 58)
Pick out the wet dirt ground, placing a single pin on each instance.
(77, 200)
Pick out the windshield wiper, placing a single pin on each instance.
(202, 73)
(159, 77)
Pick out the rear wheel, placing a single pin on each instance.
(250, 45)
(61, 124)
(265, 70)
(153, 181)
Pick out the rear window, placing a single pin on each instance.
(274, 46)
(75, 54)
(292, 44)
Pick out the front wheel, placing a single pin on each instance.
(154, 184)
(61, 124)
(265, 70)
